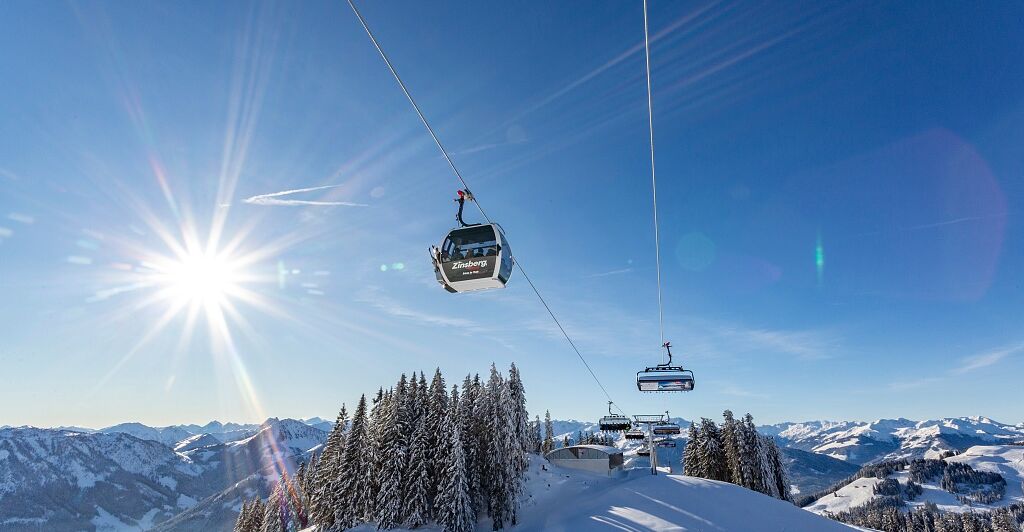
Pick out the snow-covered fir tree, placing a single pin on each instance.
(536, 440)
(711, 453)
(549, 434)
(756, 462)
(416, 508)
(437, 410)
(389, 496)
(731, 446)
(295, 503)
(691, 458)
(477, 435)
(241, 524)
(355, 505)
(496, 475)
(520, 421)
(454, 508)
(273, 518)
(779, 476)
(326, 483)
(395, 465)
(768, 485)
(751, 469)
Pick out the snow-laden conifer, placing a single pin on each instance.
(454, 508)
(416, 508)
(355, 504)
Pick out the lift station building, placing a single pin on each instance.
(594, 458)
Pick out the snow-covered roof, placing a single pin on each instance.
(603, 448)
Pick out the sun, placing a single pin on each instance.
(202, 278)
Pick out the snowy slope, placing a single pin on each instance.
(558, 499)
(888, 439)
(639, 501)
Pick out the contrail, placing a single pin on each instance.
(274, 199)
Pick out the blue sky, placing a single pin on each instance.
(890, 134)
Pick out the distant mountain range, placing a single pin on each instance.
(888, 439)
(194, 477)
(55, 479)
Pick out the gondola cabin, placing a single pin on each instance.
(615, 423)
(475, 257)
(664, 380)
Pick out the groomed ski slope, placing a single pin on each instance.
(569, 500)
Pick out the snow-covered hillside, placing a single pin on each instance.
(1007, 460)
(558, 499)
(640, 501)
(889, 439)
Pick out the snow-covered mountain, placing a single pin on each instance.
(74, 481)
(1007, 460)
(887, 439)
(319, 422)
(176, 433)
(164, 435)
(196, 441)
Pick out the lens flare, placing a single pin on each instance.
(819, 258)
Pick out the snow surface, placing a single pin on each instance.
(854, 494)
(560, 499)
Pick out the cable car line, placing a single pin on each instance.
(663, 377)
(465, 185)
(414, 105)
(654, 181)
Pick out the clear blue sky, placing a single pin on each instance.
(886, 136)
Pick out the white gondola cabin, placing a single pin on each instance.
(475, 257)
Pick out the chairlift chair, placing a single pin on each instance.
(635, 434)
(472, 256)
(614, 422)
(644, 452)
(667, 427)
(665, 377)
(666, 442)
